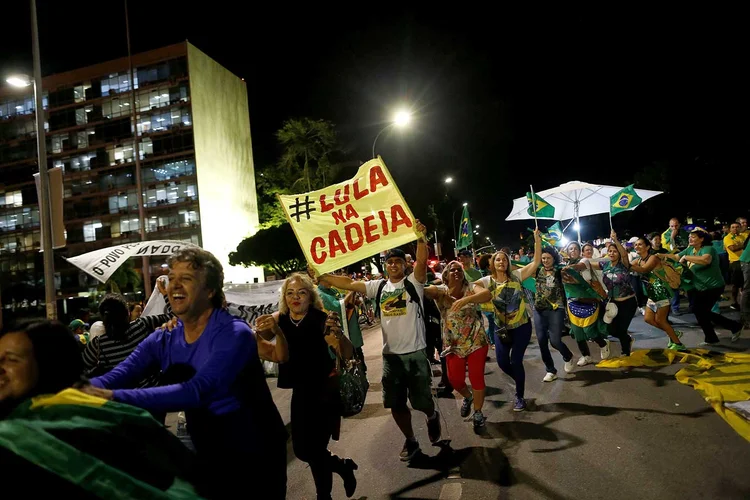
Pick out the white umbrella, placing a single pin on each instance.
(573, 200)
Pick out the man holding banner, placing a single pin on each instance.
(406, 369)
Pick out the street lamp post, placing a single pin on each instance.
(50, 296)
(401, 119)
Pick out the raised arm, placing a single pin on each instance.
(153, 322)
(420, 266)
(343, 282)
(529, 270)
(623, 253)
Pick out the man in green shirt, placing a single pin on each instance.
(467, 261)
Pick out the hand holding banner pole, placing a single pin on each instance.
(533, 204)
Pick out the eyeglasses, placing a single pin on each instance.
(456, 270)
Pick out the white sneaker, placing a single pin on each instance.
(570, 366)
(736, 335)
(585, 360)
(549, 377)
(642, 310)
(605, 352)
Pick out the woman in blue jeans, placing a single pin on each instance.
(512, 314)
(549, 313)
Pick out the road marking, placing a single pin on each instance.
(450, 491)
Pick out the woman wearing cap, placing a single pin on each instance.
(658, 290)
(463, 336)
(511, 314)
(703, 261)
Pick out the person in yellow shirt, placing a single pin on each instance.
(734, 242)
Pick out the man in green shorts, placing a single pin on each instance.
(406, 370)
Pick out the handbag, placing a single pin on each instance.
(353, 386)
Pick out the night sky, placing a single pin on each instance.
(502, 98)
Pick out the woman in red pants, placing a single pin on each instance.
(463, 336)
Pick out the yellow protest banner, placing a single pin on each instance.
(347, 222)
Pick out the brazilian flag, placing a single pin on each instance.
(623, 200)
(90, 447)
(466, 233)
(541, 208)
(585, 309)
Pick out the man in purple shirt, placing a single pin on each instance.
(211, 370)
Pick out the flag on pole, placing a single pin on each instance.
(554, 234)
(623, 200)
(466, 232)
(543, 209)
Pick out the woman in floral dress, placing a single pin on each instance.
(464, 337)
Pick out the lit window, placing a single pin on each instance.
(89, 230)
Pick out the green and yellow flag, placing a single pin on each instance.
(543, 208)
(623, 200)
(466, 233)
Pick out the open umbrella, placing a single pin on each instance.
(573, 200)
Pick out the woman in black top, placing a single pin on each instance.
(314, 339)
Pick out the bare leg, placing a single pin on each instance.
(465, 392)
(663, 323)
(403, 420)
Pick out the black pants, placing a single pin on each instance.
(620, 323)
(315, 418)
(233, 454)
(703, 301)
(583, 345)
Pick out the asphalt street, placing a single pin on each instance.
(594, 433)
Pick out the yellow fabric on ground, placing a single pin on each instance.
(719, 377)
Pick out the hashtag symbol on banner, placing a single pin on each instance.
(301, 209)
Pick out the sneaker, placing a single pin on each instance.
(735, 307)
(519, 405)
(678, 334)
(677, 347)
(708, 344)
(605, 352)
(466, 407)
(736, 335)
(433, 428)
(642, 310)
(411, 448)
(478, 420)
(630, 347)
(549, 377)
(570, 366)
(585, 360)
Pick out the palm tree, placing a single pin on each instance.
(306, 140)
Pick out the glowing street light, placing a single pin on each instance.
(401, 119)
(19, 80)
(448, 180)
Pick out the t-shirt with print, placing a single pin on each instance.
(549, 290)
(616, 279)
(705, 277)
(403, 329)
(509, 299)
(463, 330)
(731, 240)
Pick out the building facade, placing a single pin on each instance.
(197, 175)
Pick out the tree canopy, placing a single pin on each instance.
(274, 248)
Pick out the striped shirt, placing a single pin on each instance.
(104, 353)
